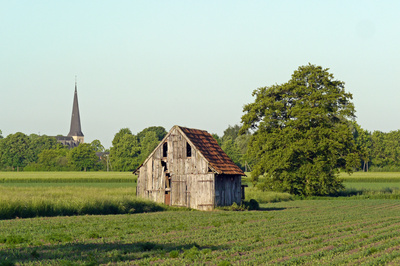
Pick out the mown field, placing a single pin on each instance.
(361, 229)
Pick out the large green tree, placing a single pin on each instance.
(158, 130)
(147, 144)
(83, 157)
(234, 145)
(125, 151)
(232, 150)
(301, 133)
(231, 132)
(53, 160)
(15, 151)
(40, 143)
(97, 146)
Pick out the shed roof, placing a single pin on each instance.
(212, 152)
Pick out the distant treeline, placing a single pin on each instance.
(43, 153)
(378, 151)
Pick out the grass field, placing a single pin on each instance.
(31, 194)
(372, 177)
(372, 185)
(363, 229)
(35, 194)
(67, 177)
(312, 232)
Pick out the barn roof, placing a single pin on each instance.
(212, 152)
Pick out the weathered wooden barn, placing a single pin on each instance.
(188, 168)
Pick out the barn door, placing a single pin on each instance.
(205, 195)
(167, 199)
(167, 184)
(178, 191)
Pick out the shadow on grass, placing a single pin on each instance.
(271, 209)
(102, 253)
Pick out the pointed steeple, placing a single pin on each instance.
(75, 129)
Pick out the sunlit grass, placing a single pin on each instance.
(266, 196)
(66, 177)
(371, 177)
(32, 201)
(74, 184)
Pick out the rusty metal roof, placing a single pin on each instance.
(209, 148)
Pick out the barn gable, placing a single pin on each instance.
(209, 148)
(188, 168)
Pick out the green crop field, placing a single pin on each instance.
(372, 185)
(376, 184)
(312, 232)
(67, 177)
(380, 177)
(345, 231)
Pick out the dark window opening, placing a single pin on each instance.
(188, 150)
(164, 164)
(165, 149)
(167, 181)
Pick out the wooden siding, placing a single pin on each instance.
(228, 189)
(192, 184)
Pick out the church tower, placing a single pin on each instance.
(75, 130)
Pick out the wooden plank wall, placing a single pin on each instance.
(227, 189)
(192, 184)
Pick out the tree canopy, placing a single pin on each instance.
(83, 157)
(97, 146)
(158, 130)
(302, 133)
(125, 151)
(15, 150)
(147, 144)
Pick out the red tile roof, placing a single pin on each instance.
(209, 148)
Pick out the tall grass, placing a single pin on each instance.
(24, 202)
(266, 196)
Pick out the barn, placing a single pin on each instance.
(188, 168)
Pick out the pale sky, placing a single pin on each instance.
(188, 63)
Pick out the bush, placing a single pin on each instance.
(252, 205)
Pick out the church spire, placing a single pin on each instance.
(75, 129)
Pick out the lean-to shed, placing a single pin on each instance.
(188, 168)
